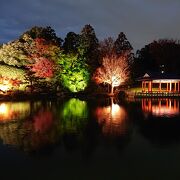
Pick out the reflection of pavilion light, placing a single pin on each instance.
(164, 111)
(161, 108)
(3, 109)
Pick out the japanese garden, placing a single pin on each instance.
(81, 105)
(40, 62)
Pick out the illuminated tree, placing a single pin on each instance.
(46, 33)
(43, 68)
(114, 71)
(11, 72)
(11, 77)
(43, 59)
(74, 74)
(15, 53)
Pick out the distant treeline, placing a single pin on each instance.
(41, 60)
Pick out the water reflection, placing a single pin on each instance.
(43, 121)
(13, 111)
(104, 137)
(158, 121)
(112, 118)
(161, 107)
(74, 115)
(42, 124)
(35, 126)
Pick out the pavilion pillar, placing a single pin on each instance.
(175, 86)
(170, 88)
(178, 87)
(167, 89)
(160, 86)
(150, 86)
(142, 86)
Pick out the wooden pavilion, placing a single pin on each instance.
(160, 83)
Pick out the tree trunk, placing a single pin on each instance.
(112, 89)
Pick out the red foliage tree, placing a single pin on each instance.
(43, 67)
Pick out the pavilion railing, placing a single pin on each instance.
(157, 94)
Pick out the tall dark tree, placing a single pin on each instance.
(88, 47)
(122, 45)
(162, 53)
(70, 44)
(144, 62)
(106, 47)
(46, 33)
(167, 54)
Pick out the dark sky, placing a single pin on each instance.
(141, 20)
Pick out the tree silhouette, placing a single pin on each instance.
(162, 52)
(122, 45)
(71, 43)
(88, 47)
(46, 33)
(106, 47)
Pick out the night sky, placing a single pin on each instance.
(141, 20)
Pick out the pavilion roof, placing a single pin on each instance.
(158, 76)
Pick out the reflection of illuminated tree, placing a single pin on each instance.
(14, 111)
(74, 114)
(32, 133)
(43, 121)
(112, 119)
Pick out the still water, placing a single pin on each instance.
(99, 139)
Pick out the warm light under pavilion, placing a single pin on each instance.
(171, 85)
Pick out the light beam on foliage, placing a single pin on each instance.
(114, 71)
(74, 73)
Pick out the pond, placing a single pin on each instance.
(90, 139)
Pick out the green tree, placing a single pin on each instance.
(74, 74)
